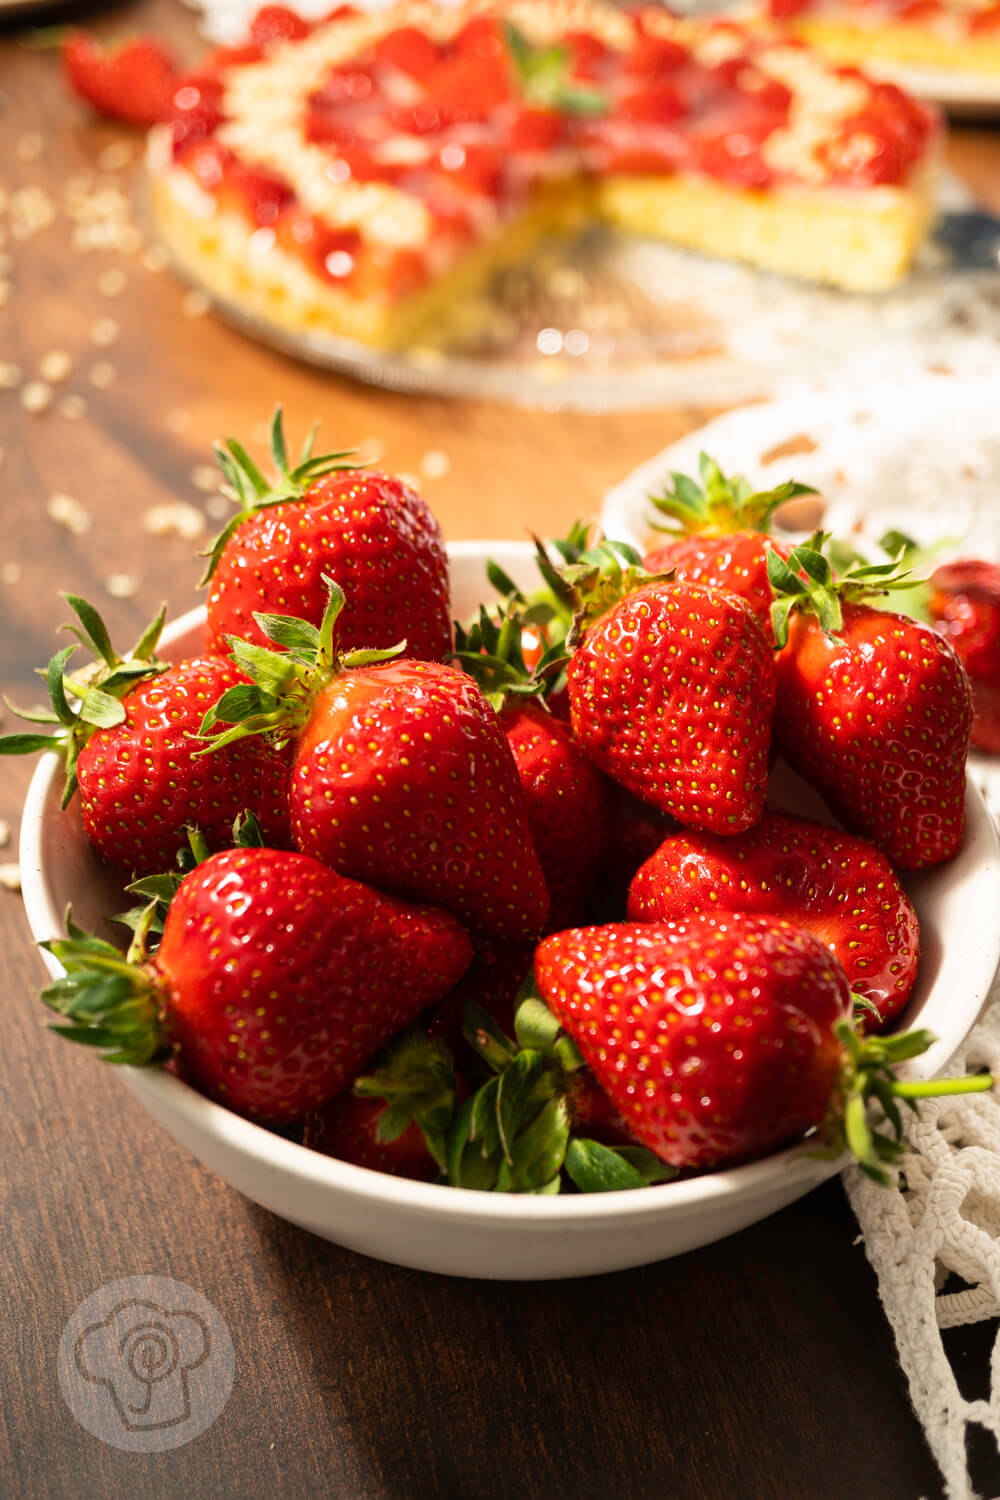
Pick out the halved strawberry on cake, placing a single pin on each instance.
(358, 175)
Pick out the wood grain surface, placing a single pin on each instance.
(760, 1367)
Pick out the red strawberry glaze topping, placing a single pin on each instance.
(454, 124)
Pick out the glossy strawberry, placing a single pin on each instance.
(401, 774)
(403, 777)
(274, 982)
(564, 794)
(671, 693)
(133, 82)
(722, 1037)
(964, 607)
(142, 782)
(128, 727)
(873, 709)
(718, 533)
(276, 23)
(372, 532)
(838, 887)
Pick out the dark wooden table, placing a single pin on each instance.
(760, 1367)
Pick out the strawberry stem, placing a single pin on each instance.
(90, 699)
(806, 583)
(283, 686)
(718, 506)
(108, 1001)
(868, 1076)
(253, 492)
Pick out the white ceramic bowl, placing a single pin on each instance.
(464, 1233)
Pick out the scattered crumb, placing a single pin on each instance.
(105, 333)
(67, 512)
(10, 877)
(178, 421)
(10, 376)
(801, 443)
(218, 508)
(72, 407)
(156, 258)
(205, 477)
(30, 146)
(112, 283)
(369, 451)
(122, 585)
(55, 366)
(102, 374)
(174, 518)
(36, 397)
(435, 464)
(115, 157)
(195, 304)
(31, 211)
(4, 833)
(565, 282)
(10, 573)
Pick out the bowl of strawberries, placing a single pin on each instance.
(551, 943)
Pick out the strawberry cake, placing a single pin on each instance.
(357, 175)
(960, 36)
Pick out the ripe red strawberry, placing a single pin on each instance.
(274, 982)
(539, 1111)
(838, 887)
(718, 534)
(722, 1037)
(133, 82)
(564, 794)
(347, 1127)
(131, 747)
(492, 982)
(396, 1118)
(276, 23)
(373, 533)
(671, 693)
(964, 607)
(401, 774)
(872, 708)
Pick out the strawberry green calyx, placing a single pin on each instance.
(415, 1075)
(252, 490)
(718, 506)
(543, 75)
(515, 1134)
(592, 574)
(157, 891)
(108, 1001)
(491, 651)
(806, 583)
(90, 699)
(283, 686)
(867, 1076)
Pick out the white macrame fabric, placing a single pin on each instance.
(945, 1218)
